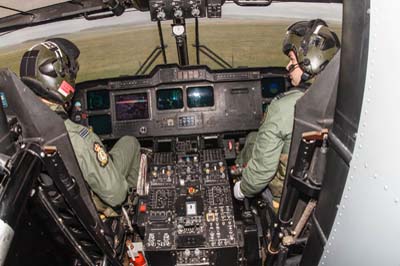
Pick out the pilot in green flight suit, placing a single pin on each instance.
(50, 69)
(109, 175)
(309, 45)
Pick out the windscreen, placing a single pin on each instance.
(112, 47)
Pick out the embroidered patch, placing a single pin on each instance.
(84, 132)
(102, 156)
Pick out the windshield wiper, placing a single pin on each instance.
(17, 10)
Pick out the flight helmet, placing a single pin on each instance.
(49, 69)
(313, 43)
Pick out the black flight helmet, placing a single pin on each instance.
(50, 69)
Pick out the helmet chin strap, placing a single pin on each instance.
(305, 76)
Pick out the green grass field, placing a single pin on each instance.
(115, 51)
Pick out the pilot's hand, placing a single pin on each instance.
(237, 192)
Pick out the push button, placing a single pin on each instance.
(142, 208)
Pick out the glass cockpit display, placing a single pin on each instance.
(200, 96)
(133, 106)
(169, 99)
(271, 87)
(98, 100)
(101, 124)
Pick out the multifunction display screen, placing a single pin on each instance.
(169, 99)
(271, 87)
(132, 106)
(200, 96)
(101, 124)
(98, 100)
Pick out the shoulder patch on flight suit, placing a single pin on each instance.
(84, 132)
(102, 156)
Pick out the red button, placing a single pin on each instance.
(191, 190)
(142, 207)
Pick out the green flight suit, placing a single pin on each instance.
(270, 148)
(109, 175)
(245, 154)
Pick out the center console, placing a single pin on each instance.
(187, 217)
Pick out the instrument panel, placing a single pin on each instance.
(187, 217)
(174, 100)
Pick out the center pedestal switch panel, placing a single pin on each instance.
(189, 217)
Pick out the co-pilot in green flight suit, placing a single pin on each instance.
(269, 148)
(109, 175)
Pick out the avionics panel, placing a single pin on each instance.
(200, 96)
(134, 106)
(174, 100)
(98, 100)
(272, 86)
(169, 99)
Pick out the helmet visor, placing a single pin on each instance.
(47, 68)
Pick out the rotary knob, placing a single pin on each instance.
(195, 12)
(180, 228)
(154, 172)
(143, 130)
(161, 15)
(207, 171)
(178, 13)
(186, 253)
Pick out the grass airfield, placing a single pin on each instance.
(115, 51)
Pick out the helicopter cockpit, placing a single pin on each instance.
(190, 120)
